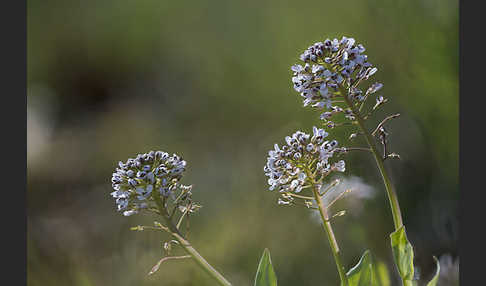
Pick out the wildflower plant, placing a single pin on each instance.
(150, 184)
(333, 77)
(304, 163)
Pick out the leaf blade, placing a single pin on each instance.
(434, 280)
(402, 253)
(265, 275)
(362, 274)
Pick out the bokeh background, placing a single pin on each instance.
(210, 80)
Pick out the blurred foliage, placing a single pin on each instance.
(211, 80)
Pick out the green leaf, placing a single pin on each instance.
(265, 275)
(362, 274)
(434, 280)
(402, 253)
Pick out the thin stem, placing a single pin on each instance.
(331, 185)
(174, 231)
(346, 149)
(181, 218)
(338, 197)
(326, 223)
(392, 196)
(383, 122)
(156, 267)
(299, 196)
(297, 203)
(143, 227)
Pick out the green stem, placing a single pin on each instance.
(330, 236)
(408, 283)
(392, 196)
(174, 231)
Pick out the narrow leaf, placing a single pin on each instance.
(362, 274)
(434, 280)
(402, 253)
(265, 275)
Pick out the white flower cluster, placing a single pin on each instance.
(330, 65)
(287, 166)
(153, 173)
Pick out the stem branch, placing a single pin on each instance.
(174, 231)
(383, 122)
(392, 196)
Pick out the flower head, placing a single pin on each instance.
(289, 167)
(151, 174)
(329, 66)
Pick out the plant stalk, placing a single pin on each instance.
(330, 236)
(174, 231)
(392, 196)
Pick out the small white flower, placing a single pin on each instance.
(284, 167)
(135, 180)
(353, 66)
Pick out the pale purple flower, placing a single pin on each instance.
(285, 165)
(350, 67)
(134, 182)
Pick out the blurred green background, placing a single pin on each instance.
(210, 80)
